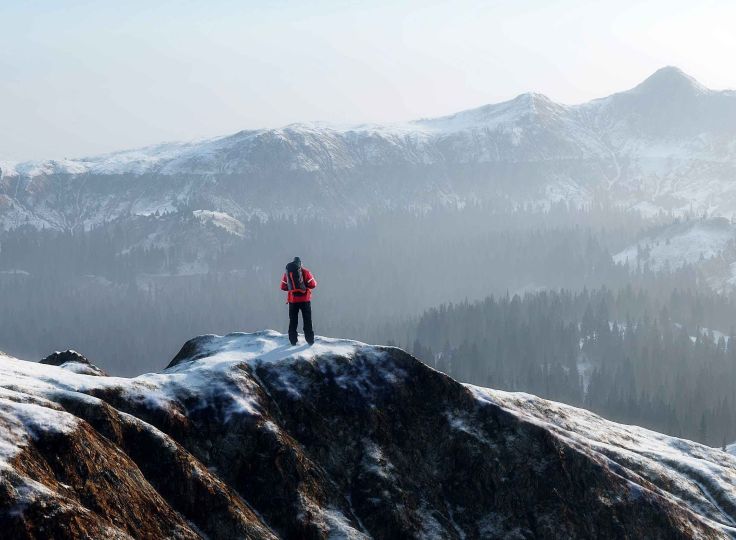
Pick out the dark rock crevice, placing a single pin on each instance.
(185, 483)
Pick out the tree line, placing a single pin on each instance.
(631, 355)
(129, 293)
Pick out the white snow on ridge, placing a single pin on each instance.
(211, 376)
(512, 120)
(268, 346)
(27, 389)
(41, 168)
(8, 168)
(139, 161)
(703, 474)
(23, 414)
(709, 245)
(202, 155)
(136, 161)
(222, 220)
(681, 244)
(494, 116)
(667, 146)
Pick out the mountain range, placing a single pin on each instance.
(245, 436)
(667, 145)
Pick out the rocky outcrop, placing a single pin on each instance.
(244, 436)
(73, 361)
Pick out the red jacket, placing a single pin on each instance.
(308, 280)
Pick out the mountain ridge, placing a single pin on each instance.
(665, 146)
(244, 435)
(668, 78)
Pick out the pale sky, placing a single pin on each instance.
(81, 77)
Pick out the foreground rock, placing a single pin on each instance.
(244, 436)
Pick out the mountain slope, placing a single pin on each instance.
(709, 245)
(668, 144)
(245, 436)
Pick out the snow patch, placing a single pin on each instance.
(219, 377)
(459, 423)
(339, 526)
(222, 220)
(375, 462)
(680, 244)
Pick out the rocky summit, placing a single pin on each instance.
(245, 436)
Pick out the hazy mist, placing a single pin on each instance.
(79, 78)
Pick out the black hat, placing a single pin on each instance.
(297, 261)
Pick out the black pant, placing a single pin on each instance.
(306, 309)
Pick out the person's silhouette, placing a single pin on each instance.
(299, 282)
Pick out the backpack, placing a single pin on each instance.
(295, 279)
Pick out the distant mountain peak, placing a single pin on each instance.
(670, 79)
(523, 106)
(532, 97)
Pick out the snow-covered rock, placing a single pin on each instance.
(667, 145)
(247, 436)
(73, 361)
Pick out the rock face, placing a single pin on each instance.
(244, 436)
(669, 144)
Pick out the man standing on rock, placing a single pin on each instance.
(299, 282)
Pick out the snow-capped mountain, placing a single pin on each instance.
(244, 436)
(669, 144)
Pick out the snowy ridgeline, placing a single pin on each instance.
(28, 389)
(594, 128)
(705, 475)
(701, 478)
(666, 145)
